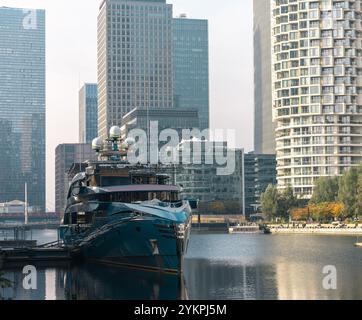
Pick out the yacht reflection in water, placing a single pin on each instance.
(96, 282)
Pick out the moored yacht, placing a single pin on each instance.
(123, 214)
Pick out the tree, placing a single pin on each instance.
(278, 204)
(326, 211)
(4, 283)
(286, 201)
(269, 201)
(290, 200)
(348, 189)
(218, 207)
(359, 194)
(325, 190)
(300, 214)
(320, 212)
(337, 209)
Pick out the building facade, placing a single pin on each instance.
(217, 194)
(264, 127)
(317, 89)
(260, 171)
(177, 119)
(88, 113)
(191, 66)
(65, 156)
(134, 59)
(14, 207)
(22, 105)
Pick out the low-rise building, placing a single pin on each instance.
(199, 177)
(14, 207)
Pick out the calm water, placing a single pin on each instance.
(217, 267)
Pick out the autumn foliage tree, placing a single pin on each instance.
(344, 195)
(300, 214)
(337, 209)
(218, 207)
(322, 212)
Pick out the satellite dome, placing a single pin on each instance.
(115, 132)
(97, 144)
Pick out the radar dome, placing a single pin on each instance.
(115, 132)
(97, 144)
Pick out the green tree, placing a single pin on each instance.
(290, 198)
(325, 190)
(359, 194)
(285, 203)
(4, 283)
(269, 201)
(348, 189)
(359, 190)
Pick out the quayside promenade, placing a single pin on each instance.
(333, 229)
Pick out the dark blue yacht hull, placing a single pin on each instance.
(133, 235)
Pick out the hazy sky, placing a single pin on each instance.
(72, 60)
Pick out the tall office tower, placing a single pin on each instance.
(191, 66)
(65, 156)
(22, 105)
(88, 113)
(177, 119)
(264, 127)
(134, 58)
(317, 89)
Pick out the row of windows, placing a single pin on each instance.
(338, 52)
(323, 62)
(140, 8)
(281, 105)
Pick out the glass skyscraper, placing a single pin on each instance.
(191, 66)
(22, 105)
(134, 59)
(317, 89)
(88, 113)
(264, 128)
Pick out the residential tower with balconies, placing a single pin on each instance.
(317, 89)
